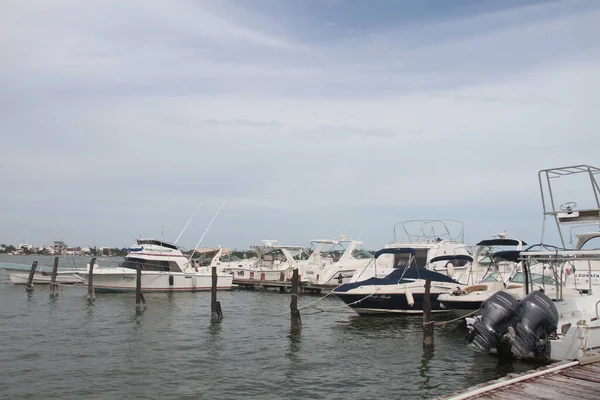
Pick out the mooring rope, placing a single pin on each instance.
(441, 323)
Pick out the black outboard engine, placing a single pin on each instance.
(538, 318)
(497, 314)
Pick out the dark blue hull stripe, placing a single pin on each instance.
(389, 302)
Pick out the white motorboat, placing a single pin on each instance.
(536, 327)
(428, 239)
(164, 269)
(19, 274)
(230, 262)
(274, 262)
(333, 261)
(401, 292)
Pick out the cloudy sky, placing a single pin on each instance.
(309, 118)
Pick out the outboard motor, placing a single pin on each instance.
(538, 318)
(497, 314)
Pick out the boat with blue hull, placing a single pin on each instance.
(400, 292)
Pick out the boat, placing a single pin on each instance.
(333, 261)
(273, 262)
(536, 327)
(400, 292)
(230, 262)
(428, 239)
(468, 300)
(164, 268)
(19, 274)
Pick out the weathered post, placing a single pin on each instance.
(29, 287)
(140, 301)
(216, 314)
(53, 285)
(295, 313)
(91, 295)
(427, 324)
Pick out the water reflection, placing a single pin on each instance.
(293, 347)
(424, 370)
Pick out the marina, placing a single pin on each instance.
(516, 302)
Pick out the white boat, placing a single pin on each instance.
(19, 274)
(428, 239)
(536, 327)
(333, 261)
(230, 262)
(164, 269)
(401, 292)
(274, 262)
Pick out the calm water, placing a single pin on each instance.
(70, 348)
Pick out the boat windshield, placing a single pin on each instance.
(150, 265)
(361, 254)
(536, 278)
(493, 277)
(402, 260)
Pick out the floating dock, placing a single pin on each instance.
(578, 379)
(282, 285)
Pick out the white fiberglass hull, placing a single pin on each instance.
(124, 280)
(261, 274)
(19, 277)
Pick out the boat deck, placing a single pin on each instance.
(251, 284)
(566, 379)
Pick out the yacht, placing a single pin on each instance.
(164, 269)
(19, 274)
(333, 261)
(401, 291)
(536, 327)
(428, 239)
(273, 262)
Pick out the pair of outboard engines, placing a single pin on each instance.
(520, 329)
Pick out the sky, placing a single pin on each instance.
(308, 119)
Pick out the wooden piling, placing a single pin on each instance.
(427, 324)
(29, 287)
(91, 295)
(296, 321)
(140, 301)
(53, 284)
(216, 314)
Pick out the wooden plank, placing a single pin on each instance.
(579, 374)
(571, 386)
(590, 368)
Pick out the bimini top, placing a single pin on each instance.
(451, 257)
(397, 277)
(401, 250)
(508, 255)
(501, 242)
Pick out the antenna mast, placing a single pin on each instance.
(186, 225)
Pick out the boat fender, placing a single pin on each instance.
(409, 297)
(171, 279)
(450, 269)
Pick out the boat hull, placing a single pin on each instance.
(124, 281)
(393, 303)
(19, 277)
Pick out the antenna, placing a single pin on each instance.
(186, 225)
(207, 228)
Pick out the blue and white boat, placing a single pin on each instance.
(400, 292)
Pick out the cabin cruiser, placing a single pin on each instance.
(401, 291)
(164, 268)
(274, 262)
(19, 274)
(428, 239)
(333, 261)
(230, 262)
(536, 327)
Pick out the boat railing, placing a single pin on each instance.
(420, 230)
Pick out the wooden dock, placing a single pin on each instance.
(578, 379)
(281, 285)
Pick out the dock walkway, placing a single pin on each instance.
(578, 379)
(282, 285)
